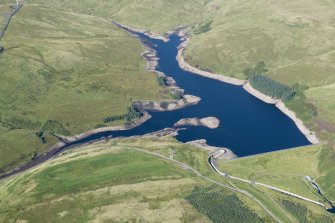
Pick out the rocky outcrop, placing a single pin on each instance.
(209, 122)
(167, 105)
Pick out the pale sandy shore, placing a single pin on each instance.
(310, 135)
(223, 152)
(146, 32)
(69, 139)
(259, 94)
(187, 100)
(209, 122)
(144, 106)
(187, 67)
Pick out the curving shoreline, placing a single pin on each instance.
(187, 67)
(310, 135)
(150, 56)
(146, 32)
(143, 106)
(127, 126)
(64, 142)
(222, 152)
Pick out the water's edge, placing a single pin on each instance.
(98, 134)
(310, 135)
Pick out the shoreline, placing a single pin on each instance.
(187, 67)
(151, 63)
(146, 32)
(127, 126)
(151, 59)
(310, 135)
(144, 106)
(226, 154)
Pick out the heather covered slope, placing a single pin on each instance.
(64, 72)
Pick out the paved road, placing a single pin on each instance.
(185, 166)
(265, 185)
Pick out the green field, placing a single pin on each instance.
(285, 170)
(285, 35)
(295, 40)
(66, 68)
(158, 16)
(64, 72)
(115, 182)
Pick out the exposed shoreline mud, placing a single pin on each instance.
(150, 56)
(310, 135)
(151, 59)
(209, 122)
(144, 106)
(146, 32)
(225, 153)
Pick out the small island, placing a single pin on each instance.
(209, 122)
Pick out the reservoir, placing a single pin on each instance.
(248, 126)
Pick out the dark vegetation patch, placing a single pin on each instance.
(161, 81)
(293, 97)
(175, 95)
(259, 69)
(266, 85)
(299, 104)
(204, 28)
(302, 214)
(132, 114)
(54, 126)
(220, 207)
(272, 88)
(297, 210)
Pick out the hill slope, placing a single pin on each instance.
(64, 72)
(118, 181)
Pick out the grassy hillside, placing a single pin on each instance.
(285, 34)
(64, 72)
(280, 169)
(115, 182)
(286, 170)
(158, 16)
(66, 67)
(294, 39)
(124, 180)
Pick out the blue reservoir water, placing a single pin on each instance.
(248, 125)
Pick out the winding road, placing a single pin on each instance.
(187, 167)
(264, 185)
